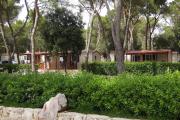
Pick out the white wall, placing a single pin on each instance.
(4, 57)
(96, 57)
(112, 56)
(175, 57)
(128, 58)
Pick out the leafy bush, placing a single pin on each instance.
(109, 68)
(105, 68)
(135, 95)
(16, 67)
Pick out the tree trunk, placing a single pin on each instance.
(119, 51)
(5, 43)
(2, 30)
(12, 35)
(126, 34)
(65, 61)
(18, 59)
(127, 22)
(147, 33)
(115, 28)
(56, 57)
(104, 36)
(149, 41)
(131, 39)
(152, 29)
(98, 37)
(35, 23)
(89, 38)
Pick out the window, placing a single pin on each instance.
(28, 57)
(48, 58)
(154, 57)
(136, 58)
(25, 57)
(150, 57)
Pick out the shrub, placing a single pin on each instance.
(16, 67)
(105, 68)
(9, 67)
(134, 95)
(109, 68)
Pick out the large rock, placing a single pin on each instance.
(97, 117)
(9, 113)
(71, 116)
(79, 116)
(52, 107)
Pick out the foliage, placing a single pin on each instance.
(23, 39)
(23, 42)
(167, 40)
(62, 32)
(139, 34)
(135, 95)
(170, 38)
(9, 10)
(104, 42)
(154, 68)
(10, 6)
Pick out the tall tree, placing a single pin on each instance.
(115, 21)
(93, 7)
(3, 20)
(152, 10)
(131, 17)
(170, 38)
(62, 32)
(5, 41)
(102, 37)
(9, 12)
(174, 14)
(32, 36)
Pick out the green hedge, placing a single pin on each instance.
(125, 95)
(16, 67)
(109, 68)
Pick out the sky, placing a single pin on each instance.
(85, 15)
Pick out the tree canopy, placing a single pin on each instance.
(127, 25)
(62, 31)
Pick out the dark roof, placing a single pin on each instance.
(36, 53)
(148, 52)
(41, 53)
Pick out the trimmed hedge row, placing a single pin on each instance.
(16, 67)
(109, 68)
(125, 95)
